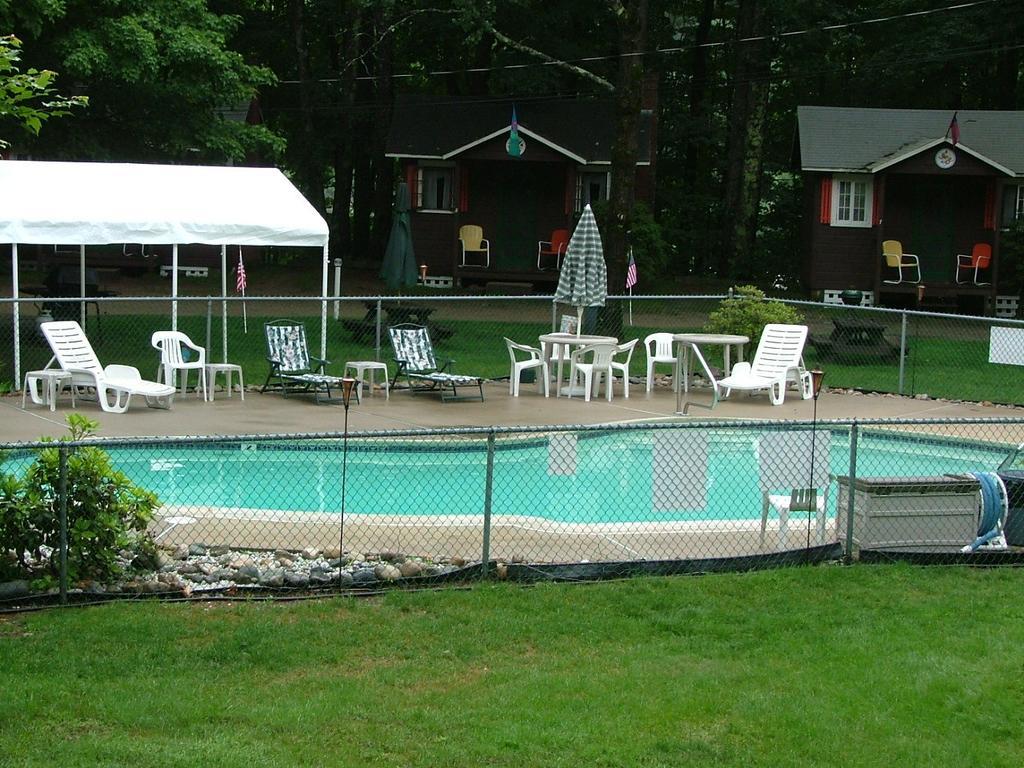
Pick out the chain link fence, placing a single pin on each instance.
(280, 514)
(864, 348)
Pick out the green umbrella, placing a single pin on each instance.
(583, 281)
(399, 266)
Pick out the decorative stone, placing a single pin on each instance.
(364, 576)
(219, 549)
(332, 553)
(410, 569)
(247, 574)
(310, 553)
(320, 576)
(293, 579)
(392, 557)
(10, 590)
(501, 571)
(285, 562)
(195, 550)
(458, 562)
(387, 572)
(272, 578)
(180, 552)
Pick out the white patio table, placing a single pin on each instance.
(548, 342)
(689, 343)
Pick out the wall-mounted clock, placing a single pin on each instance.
(945, 158)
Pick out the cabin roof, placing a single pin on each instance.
(858, 139)
(432, 127)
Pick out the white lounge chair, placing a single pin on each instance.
(793, 475)
(114, 384)
(778, 360)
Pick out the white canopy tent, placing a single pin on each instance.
(102, 203)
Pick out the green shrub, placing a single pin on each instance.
(747, 312)
(106, 512)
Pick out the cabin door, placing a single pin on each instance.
(520, 194)
(932, 228)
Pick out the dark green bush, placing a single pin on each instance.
(747, 312)
(107, 513)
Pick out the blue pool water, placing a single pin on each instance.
(613, 480)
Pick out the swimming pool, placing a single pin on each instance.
(600, 478)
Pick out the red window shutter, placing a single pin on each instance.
(463, 189)
(989, 221)
(410, 182)
(825, 216)
(876, 202)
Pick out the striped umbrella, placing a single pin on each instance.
(583, 281)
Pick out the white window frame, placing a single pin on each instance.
(585, 171)
(847, 220)
(1018, 208)
(421, 173)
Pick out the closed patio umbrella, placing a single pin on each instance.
(583, 281)
(398, 268)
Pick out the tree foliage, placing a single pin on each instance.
(28, 99)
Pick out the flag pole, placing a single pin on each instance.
(631, 305)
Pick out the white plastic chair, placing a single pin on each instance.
(600, 366)
(659, 350)
(778, 360)
(623, 366)
(173, 346)
(784, 464)
(535, 360)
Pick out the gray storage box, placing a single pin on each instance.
(927, 514)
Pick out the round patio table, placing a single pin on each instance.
(548, 342)
(690, 343)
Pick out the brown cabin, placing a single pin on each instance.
(455, 159)
(910, 175)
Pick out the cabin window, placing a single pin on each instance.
(1013, 204)
(851, 201)
(591, 187)
(436, 188)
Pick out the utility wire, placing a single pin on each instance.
(660, 51)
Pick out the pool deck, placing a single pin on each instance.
(271, 413)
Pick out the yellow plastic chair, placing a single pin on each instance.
(471, 237)
(896, 259)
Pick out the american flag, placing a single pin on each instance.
(631, 275)
(240, 274)
(953, 132)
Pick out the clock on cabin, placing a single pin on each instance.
(945, 158)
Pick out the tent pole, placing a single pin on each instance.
(174, 287)
(17, 314)
(337, 287)
(224, 302)
(323, 309)
(81, 282)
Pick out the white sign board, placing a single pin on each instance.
(1006, 346)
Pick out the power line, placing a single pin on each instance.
(659, 51)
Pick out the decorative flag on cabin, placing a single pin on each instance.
(953, 132)
(631, 275)
(512, 145)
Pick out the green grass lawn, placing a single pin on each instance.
(864, 666)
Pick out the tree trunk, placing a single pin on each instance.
(341, 218)
(628, 97)
(383, 167)
(698, 129)
(746, 140)
(308, 171)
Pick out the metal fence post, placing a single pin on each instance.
(850, 494)
(903, 349)
(377, 342)
(62, 507)
(485, 556)
(209, 329)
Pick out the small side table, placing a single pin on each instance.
(55, 378)
(211, 371)
(361, 366)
